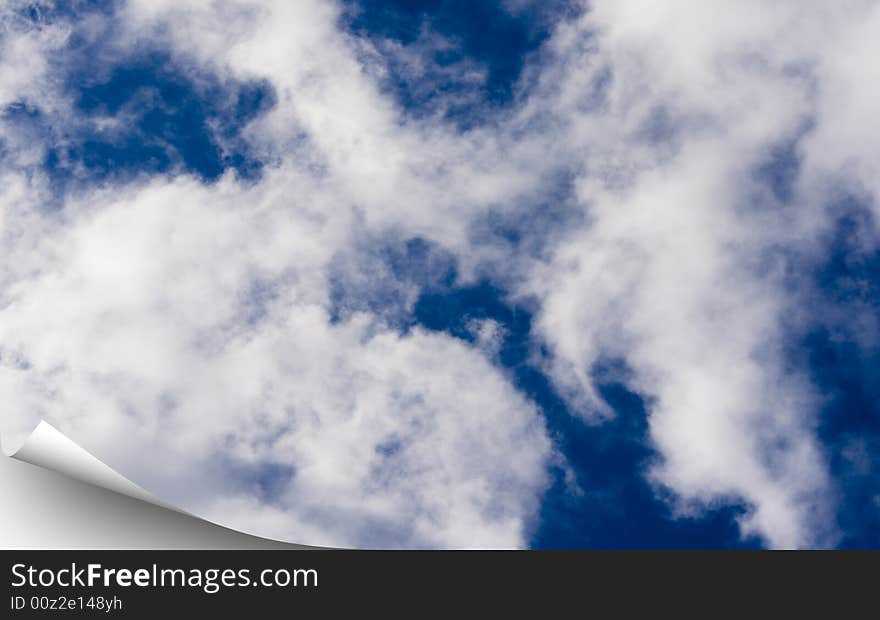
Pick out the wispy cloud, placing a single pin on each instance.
(658, 186)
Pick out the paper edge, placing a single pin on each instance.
(50, 449)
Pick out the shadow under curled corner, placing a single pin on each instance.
(55, 495)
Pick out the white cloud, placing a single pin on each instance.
(193, 319)
(675, 272)
(143, 324)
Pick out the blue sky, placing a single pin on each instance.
(453, 274)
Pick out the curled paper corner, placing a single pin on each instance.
(12, 441)
(51, 449)
(73, 500)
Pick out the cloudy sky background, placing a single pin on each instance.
(453, 274)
